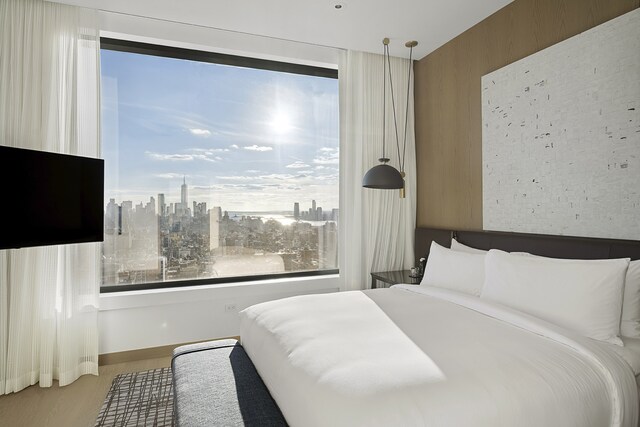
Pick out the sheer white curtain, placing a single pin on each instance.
(377, 226)
(49, 100)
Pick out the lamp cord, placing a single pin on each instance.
(393, 106)
(384, 99)
(406, 111)
(386, 62)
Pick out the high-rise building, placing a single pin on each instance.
(162, 207)
(112, 217)
(215, 215)
(319, 214)
(199, 209)
(125, 216)
(184, 197)
(313, 205)
(296, 210)
(131, 245)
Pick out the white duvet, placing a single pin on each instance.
(419, 356)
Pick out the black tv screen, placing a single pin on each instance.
(49, 198)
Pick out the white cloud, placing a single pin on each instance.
(209, 151)
(327, 160)
(234, 146)
(251, 187)
(207, 187)
(168, 175)
(206, 158)
(298, 165)
(327, 177)
(200, 132)
(327, 156)
(263, 179)
(172, 157)
(183, 157)
(278, 177)
(237, 178)
(255, 147)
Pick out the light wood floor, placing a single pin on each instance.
(77, 404)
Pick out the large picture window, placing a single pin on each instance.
(217, 168)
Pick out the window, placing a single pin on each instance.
(217, 168)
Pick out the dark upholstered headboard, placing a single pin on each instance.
(537, 244)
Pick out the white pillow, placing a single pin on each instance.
(630, 326)
(454, 270)
(457, 246)
(582, 295)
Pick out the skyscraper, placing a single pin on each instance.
(162, 207)
(296, 210)
(112, 218)
(184, 198)
(214, 227)
(125, 216)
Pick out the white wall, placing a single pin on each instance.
(210, 39)
(142, 319)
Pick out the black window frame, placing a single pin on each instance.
(129, 46)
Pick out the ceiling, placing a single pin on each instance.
(359, 24)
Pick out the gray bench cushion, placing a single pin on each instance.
(216, 384)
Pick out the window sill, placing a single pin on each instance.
(180, 295)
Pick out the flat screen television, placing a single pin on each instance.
(49, 198)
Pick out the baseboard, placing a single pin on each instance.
(145, 353)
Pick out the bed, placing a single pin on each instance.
(435, 356)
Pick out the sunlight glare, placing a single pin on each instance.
(281, 123)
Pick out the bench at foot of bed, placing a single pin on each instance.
(216, 384)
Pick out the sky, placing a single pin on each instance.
(245, 139)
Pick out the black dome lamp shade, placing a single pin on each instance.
(384, 176)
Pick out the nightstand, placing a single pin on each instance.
(389, 278)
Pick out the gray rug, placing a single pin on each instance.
(139, 399)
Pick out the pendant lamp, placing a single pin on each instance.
(384, 176)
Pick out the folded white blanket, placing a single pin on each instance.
(413, 355)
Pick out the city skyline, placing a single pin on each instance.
(158, 241)
(247, 139)
(160, 200)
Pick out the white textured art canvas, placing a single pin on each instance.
(561, 137)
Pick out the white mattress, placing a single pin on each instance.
(630, 353)
(415, 355)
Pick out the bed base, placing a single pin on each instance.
(215, 383)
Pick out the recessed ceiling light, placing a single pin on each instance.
(339, 5)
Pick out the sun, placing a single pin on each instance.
(281, 123)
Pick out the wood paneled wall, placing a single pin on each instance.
(448, 103)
